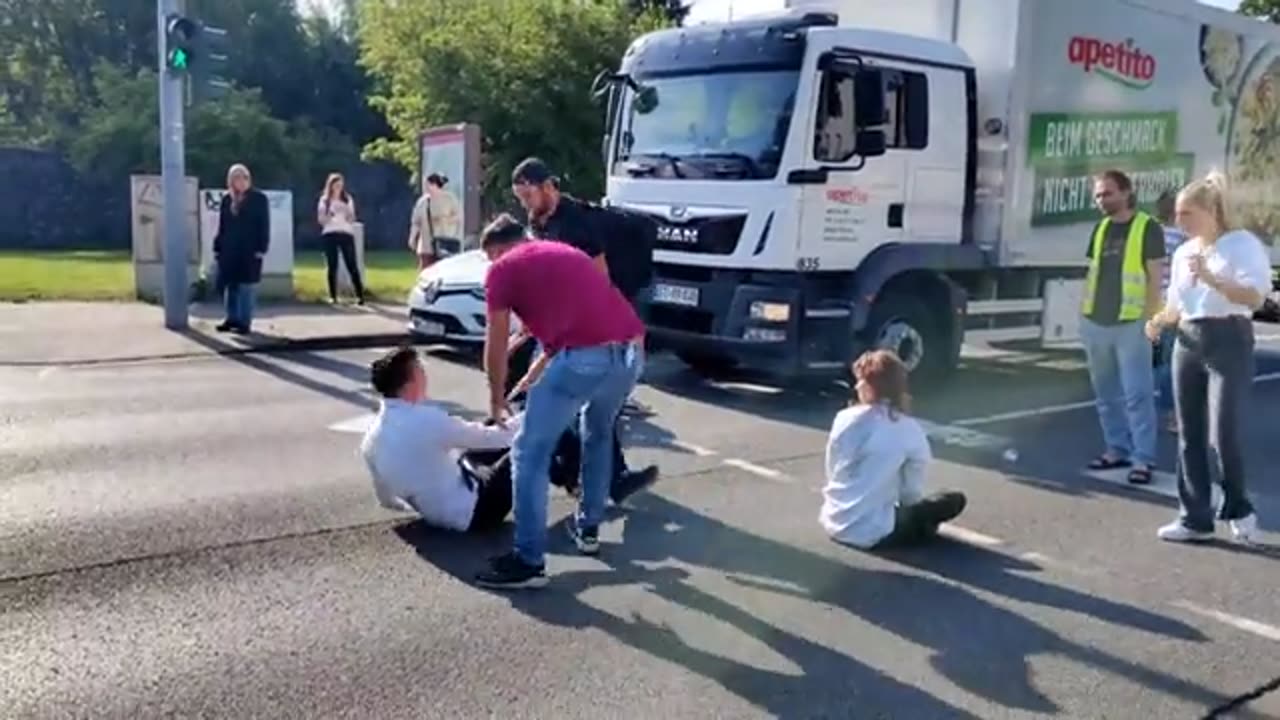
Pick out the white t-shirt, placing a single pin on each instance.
(412, 451)
(1238, 255)
(338, 215)
(874, 463)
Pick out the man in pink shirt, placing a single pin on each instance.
(593, 355)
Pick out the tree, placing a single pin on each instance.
(521, 70)
(1264, 9)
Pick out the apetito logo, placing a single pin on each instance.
(1120, 62)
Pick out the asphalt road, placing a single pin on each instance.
(197, 539)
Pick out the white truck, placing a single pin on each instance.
(866, 173)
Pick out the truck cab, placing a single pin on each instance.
(812, 186)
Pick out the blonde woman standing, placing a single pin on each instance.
(336, 213)
(1218, 278)
(244, 234)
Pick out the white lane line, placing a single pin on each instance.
(1263, 630)
(47, 372)
(1162, 483)
(356, 425)
(962, 437)
(1020, 414)
(1058, 409)
(691, 448)
(1046, 561)
(758, 470)
(971, 537)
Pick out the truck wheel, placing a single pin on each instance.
(707, 365)
(904, 325)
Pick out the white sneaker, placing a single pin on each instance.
(1245, 529)
(1177, 532)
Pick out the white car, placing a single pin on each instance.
(447, 302)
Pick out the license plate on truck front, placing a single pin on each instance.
(675, 295)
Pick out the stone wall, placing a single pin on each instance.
(49, 206)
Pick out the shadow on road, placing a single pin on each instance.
(975, 644)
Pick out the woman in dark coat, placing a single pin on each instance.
(244, 233)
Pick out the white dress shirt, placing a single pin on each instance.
(412, 453)
(1238, 256)
(874, 463)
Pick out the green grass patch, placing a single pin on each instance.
(108, 275)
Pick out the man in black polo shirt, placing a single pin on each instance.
(555, 216)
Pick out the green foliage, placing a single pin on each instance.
(520, 69)
(1265, 9)
(120, 136)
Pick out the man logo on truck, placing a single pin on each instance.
(1120, 62)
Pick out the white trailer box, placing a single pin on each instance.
(1165, 90)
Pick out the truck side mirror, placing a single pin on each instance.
(872, 143)
(869, 99)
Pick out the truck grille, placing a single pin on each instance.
(708, 235)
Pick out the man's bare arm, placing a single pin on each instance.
(497, 332)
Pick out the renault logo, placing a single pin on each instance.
(680, 235)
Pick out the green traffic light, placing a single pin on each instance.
(178, 59)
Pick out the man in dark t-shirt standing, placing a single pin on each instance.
(555, 216)
(1122, 290)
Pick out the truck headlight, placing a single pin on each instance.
(773, 312)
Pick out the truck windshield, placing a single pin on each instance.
(729, 126)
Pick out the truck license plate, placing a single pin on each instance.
(675, 295)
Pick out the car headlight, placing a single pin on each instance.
(430, 291)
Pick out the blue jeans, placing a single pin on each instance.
(588, 384)
(1164, 372)
(239, 302)
(1123, 387)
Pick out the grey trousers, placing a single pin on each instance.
(1212, 378)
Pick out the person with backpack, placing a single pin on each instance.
(621, 244)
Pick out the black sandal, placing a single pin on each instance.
(1106, 463)
(1140, 476)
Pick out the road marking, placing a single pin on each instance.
(759, 470)
(1263, 630)
(691, 448)
(962, 437)
(1020, 414)
(1162, 483)
(972, 537)
(1045, 560)
(356, 425)
(1058, 409)
(46, 372)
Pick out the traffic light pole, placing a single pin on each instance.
(174, 177)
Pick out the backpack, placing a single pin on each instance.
(629, 238)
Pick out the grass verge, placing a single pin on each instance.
(100, 275)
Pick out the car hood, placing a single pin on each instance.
(465, 269)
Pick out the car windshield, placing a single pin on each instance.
(729, 125)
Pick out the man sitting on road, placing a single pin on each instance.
(415, 452)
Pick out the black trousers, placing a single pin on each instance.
(492, 483)
(1212, 377)
(918, 522)
(344, 243)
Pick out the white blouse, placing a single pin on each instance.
(1238, 255)
(339, 216)
(874, 463)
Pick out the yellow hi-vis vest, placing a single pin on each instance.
(1133, 273)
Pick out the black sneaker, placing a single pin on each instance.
(509, 572)
(224, 326)
(632, 482)
(587, 539)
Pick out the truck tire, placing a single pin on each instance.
(904, 325)
(707, 365)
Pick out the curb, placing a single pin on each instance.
(212, 347)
